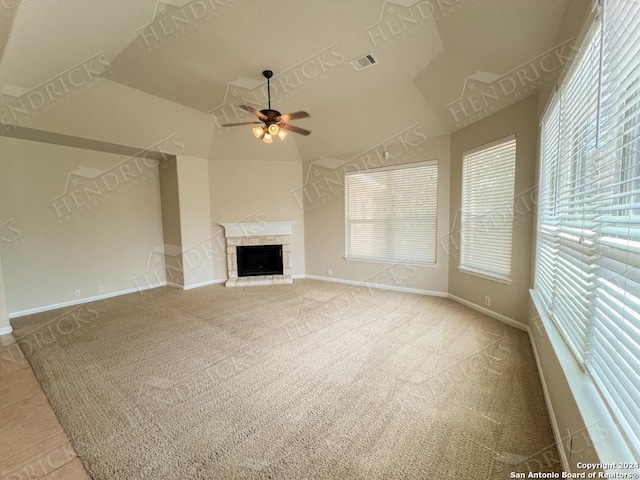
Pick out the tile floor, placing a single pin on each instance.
(33, 445)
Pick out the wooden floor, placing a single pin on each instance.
(32, 442)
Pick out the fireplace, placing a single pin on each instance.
(258, 253)
(259, 260)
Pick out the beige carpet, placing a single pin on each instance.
(306, 381)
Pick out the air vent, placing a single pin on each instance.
(363, 62)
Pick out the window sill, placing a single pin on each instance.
(609, 443)
(393, 262)
(506, 281)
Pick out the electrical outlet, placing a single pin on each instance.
(100, 288)
(399, 280)
(329, 272)
(487, 301)
(191, 279)
(78, 293)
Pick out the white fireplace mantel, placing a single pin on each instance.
(256, 229)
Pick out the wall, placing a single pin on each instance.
(250, 191)
(509, 300)
(75, 219)
(195, 220)
(99, 109)
(171, 229)
(5, 327)
(322, 194)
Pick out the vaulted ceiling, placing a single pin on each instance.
(432, 56)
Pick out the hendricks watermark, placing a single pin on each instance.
(172, 22)
(484, 93)
(50, 332)
(315, 316)
(325, 177)
(398, 22)
(172, 263)
(42, 463)
(519, 211)
(546, 462)
(442, 385)
(298, 78)
(157, 395)
(10, 235)
(88, 188)
(18, 106)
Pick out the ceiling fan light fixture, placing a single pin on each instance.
(273, 129)
(267, 138)
(282, 134)
(258, 132)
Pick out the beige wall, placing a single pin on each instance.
(111, 112)
(255, 190)
(512, 300)
(5, 327)
(171, 229)
(69, 232)
(323, 197)
(195, 220)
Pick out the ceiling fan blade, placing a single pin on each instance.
(293, 129)
(292, 116)
(241, 123)
(253, 110)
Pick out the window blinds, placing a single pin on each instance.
(588, 251)
(391, 213)
(486, 228)
(614, 354)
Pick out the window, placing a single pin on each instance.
(588, 249)
(486, 224)
(391, 213)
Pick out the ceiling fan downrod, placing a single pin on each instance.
(268, 74)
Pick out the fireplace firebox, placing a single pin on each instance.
(254, 260)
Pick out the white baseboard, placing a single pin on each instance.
(432, 293)
(196, 285)
(490, 313)
(302, 275)
(204, 284)
(80, 301)
(547, 398)
(6, 330)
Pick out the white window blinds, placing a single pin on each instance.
(588, 251)
(391, 213)
(486, 224)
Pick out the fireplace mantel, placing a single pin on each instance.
(257, 233)
(256, 229)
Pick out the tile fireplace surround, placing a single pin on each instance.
(257, 233)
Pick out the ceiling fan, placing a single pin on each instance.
(274, 121)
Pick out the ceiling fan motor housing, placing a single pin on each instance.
(272, 114)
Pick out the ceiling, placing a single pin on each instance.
(209, 54)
